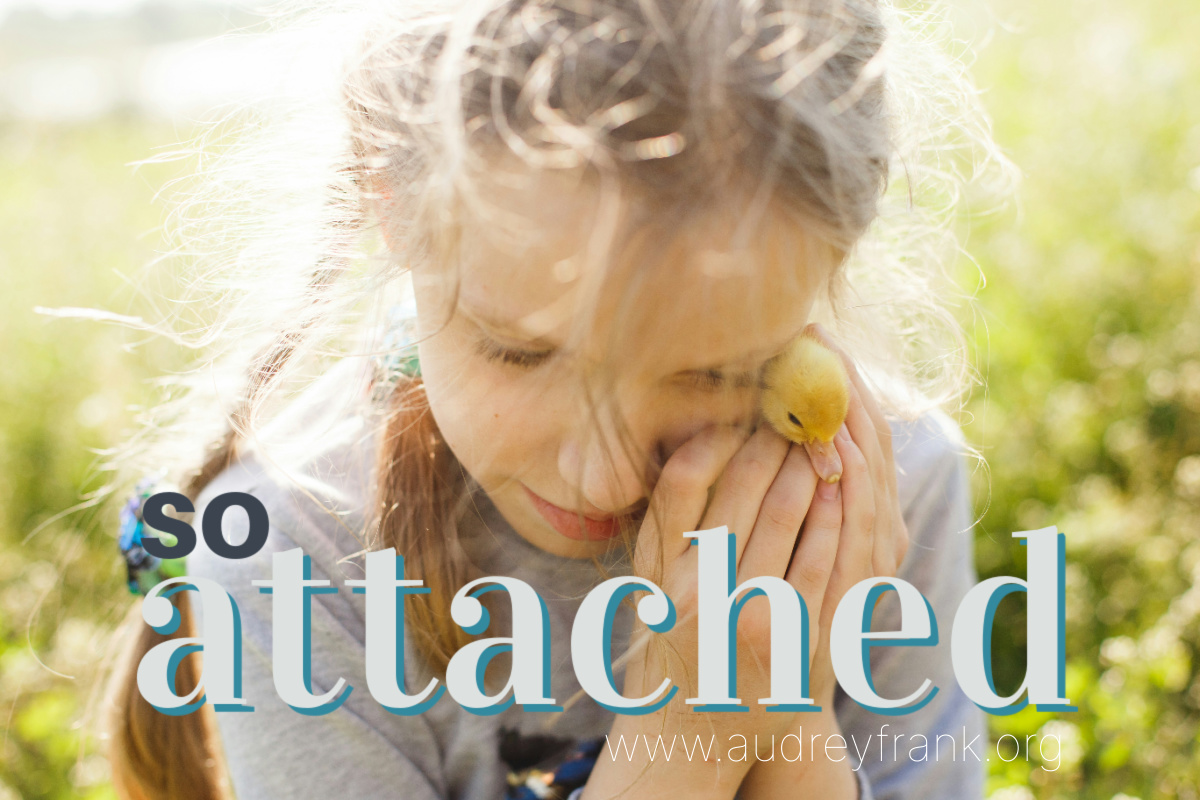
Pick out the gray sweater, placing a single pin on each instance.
(314, 479)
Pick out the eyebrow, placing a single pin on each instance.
(764, 353)
(506, 328)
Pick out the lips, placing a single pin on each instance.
(568, 522)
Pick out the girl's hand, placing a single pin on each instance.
(821, 538)
(874, 541)
(874, 536)
(763, 488)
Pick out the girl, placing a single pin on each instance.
(607, 217)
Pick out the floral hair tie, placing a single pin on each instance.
(143, 570)
(400, 342)
(399, 357)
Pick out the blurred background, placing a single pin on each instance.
(1087, 332)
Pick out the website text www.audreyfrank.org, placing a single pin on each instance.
(883, 746)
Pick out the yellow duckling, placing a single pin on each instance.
(806, 396)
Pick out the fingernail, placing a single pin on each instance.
(829, 491)
(843, 435)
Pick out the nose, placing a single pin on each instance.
(610, 470)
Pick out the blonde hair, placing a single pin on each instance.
(854, 113)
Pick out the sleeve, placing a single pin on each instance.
(938, 751)
(864, 787)
(357, 750)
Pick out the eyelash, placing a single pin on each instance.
(713, 379)
(526, 359)
(710, 380)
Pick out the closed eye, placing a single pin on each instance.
(713, 379)
(792, 419)
(709, 378)
(528, 359)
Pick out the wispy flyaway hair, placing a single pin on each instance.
(854, 112)
(856, 115)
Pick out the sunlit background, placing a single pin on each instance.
(1088, 335)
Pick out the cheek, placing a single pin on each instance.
(495, 423)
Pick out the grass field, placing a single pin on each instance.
(1089, 337)
(74, 218)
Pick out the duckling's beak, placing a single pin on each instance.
(825, 460)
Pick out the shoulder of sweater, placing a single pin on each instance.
(928, 450)
(312, 469)
(317, 448)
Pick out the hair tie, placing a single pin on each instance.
(399, 356)
(143, 570)
(400, 343)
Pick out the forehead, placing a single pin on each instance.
(554, 257)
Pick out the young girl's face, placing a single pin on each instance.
(687, 314)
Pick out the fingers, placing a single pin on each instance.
(787, 503)
(901, 538)
(741, 489)
(867, 401)
(868, 428)
(873, 436)
(856, 548)
(865, 437)
(813, 562)
(825, 461)
(681, 493)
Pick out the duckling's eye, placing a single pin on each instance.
(792, 419)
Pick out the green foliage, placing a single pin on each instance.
(73, 216)
(1090, 342)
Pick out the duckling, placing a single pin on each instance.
(806, 396)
